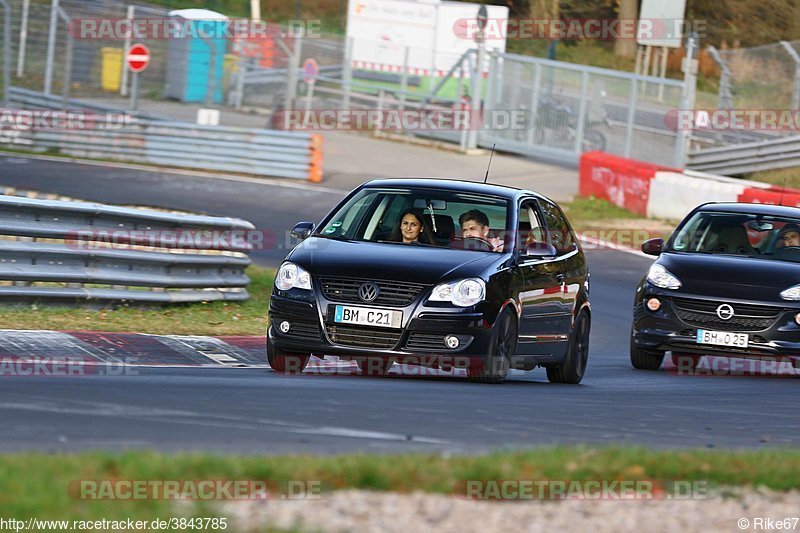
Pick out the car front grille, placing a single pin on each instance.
(426, 341)
(746, 317)
(364, 336)
(392, 293)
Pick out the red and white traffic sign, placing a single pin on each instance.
(138, 58)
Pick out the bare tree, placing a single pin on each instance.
(627, 10)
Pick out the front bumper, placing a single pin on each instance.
(422, 336)
(672, 328)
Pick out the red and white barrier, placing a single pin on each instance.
(660, 192)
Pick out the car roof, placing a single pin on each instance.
(454, 185)
(751, 209)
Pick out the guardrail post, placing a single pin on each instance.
(6, 52)
(796, 87)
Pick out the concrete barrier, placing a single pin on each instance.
(660, 192)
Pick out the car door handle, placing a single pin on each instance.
(560, 278)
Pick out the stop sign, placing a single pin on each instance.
(138, 58)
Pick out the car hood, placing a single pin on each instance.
(396, 262)
(732, 277)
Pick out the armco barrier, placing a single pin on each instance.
(658, 192)
(261, 152)
(623, 182)
(70, 251)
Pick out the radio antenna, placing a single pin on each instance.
(486, 178)
(783, 190)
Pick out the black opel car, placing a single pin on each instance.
(726, 283)
(510, 291)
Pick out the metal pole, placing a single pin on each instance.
(291, 74)
(687, 100)
(662, 72)
(537, 83)
(347, 73)
(23, 38)
(631, 117)
(725, 100)
(212, 66)
(6, 52)
(67, 81)
(404, 80)
(477, 79)
(51, 48)
(135, 92)
(241, 72)
(796, 88)
(123, 90)
(582, 107)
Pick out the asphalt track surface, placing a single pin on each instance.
(253, 410)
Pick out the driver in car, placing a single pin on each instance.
(789, 238)
(474, 223)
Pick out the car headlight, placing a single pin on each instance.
(661, 277)
(292, 276)
(792, 293)
(463, 293)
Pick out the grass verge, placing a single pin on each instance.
(788, 177)
(210, 318)
(33, 484)
(603, 220)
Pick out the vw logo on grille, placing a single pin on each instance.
(725, 312)
(368, 292)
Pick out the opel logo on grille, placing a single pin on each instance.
(725, 312)
(368, 292)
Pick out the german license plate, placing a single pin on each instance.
(722, 338)
(365, 316)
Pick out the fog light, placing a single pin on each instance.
(284, 327)
(452, 342)
(797, 318)
(654, 304)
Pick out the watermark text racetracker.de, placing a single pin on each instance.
(460, 117)
(66, 366)
(592, 489)
(778, 120)
(602, 29)
(155, 28)
(194, 489)
(65, 119)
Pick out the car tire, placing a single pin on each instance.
(374, 366)
(286, 363)
(502, 347)
(574, 366)
(645, 359)
(686, 361)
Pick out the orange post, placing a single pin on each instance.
(315, 167)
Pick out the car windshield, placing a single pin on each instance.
(428, 217)
(755, 236)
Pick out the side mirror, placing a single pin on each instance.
(540, 249)
(302, 230)
(653, 246)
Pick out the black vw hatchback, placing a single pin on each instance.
(437, 273)
(726, 283)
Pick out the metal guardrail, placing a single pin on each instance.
(749, 157)
(28, 99)
(58, 250)
(259, 152)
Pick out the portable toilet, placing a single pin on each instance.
(200, 41)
